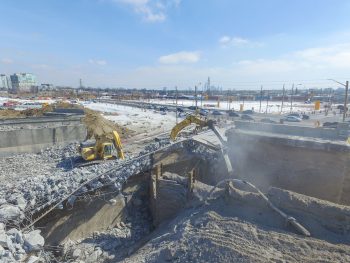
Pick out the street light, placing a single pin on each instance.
(346, 85)
(195, 91)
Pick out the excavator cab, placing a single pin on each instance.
(107, 151)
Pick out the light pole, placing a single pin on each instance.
(261, 92)
(176, 102)
(346, 85)
(282, 99)
(195, 91)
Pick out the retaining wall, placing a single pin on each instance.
(312, 167)
(33, 140)
(340, 133)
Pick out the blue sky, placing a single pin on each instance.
(156, 43)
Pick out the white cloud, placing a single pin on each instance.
(313, 66)
(98, 62)
(40, 66)
(6, 61)
(331, 58)
(238, 41)
(151, 10)
(226, 41)
(180, 57)
(150, 15)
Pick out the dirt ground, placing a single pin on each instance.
(241, 228)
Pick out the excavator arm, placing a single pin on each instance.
(118, 145)
(186, 122)
(204, 123)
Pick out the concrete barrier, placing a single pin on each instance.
(39, 121)
(340, 133)
(33, 140)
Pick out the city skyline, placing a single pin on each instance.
(152, 44)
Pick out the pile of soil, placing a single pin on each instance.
(238, 226)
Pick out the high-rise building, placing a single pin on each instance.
(23, 82)
(5, 82)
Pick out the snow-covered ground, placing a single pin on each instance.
(27, 104)
(147, 122)
(272, 107)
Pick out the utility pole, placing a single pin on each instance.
(176, 102)
(260, 98)
(291, 98)
(228, 103)
(346, 100)
(202, 97)
(346, 85)
(208, 85)
(195, 95)
(282, 99)
(267, 101)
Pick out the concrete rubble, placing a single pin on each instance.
(233, 226)
(52, 177)
(16, 245)
(32, 182)
(114, 244)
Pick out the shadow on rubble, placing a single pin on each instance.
(70, 163)
(123, 240)
(85, 217)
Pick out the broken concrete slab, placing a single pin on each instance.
(10, 212)
(33, 241)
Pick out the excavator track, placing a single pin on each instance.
(82, 163)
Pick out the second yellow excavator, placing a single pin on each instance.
(191, 119)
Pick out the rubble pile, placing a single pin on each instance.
(15, 245)
(32, 182)
(114, 244)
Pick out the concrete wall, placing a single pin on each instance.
(311, 167)
(33, 140)
(41, 120)
(340, 133)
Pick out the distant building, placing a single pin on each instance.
(47, 87)
(4, 82)
(23, 82)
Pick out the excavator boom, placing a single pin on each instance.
(186, 122)
(203, 123)
(118, 145)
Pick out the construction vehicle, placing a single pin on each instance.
(102, 147)
(201, 123)
(106, 140)
(211, 125)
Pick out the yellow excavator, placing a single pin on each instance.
(106, 139)
(201, 123)
(211, 125)
(102, 147)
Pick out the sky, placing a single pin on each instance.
(239, 44)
